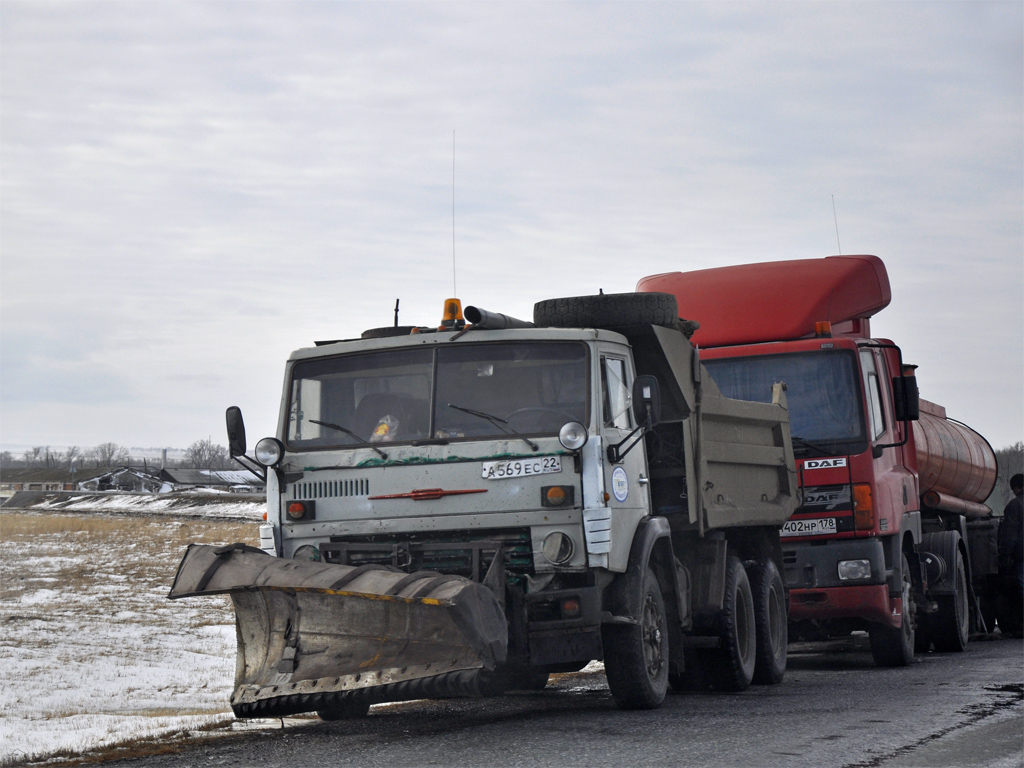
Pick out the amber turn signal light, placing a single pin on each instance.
(302, 510)
(556, 496)
(863, 508)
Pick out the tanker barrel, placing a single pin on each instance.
(952, 459)
(493, 321)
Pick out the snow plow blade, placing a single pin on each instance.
(320, 636)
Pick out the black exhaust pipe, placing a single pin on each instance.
(493, 321)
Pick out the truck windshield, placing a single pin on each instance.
(437, 393)
(821, 390)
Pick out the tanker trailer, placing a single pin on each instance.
(956, 472)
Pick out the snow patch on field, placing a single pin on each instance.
(206, 503)
(91, 650)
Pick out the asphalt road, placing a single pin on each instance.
(835, 708)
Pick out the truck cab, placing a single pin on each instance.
(877, 543)
(858, 478)
(428, 453)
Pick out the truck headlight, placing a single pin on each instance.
(307, 552)
(850, 570)
(572, 435)
(557, 548)
(269, 451)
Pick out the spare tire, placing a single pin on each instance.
(388, 331)
(607, 310)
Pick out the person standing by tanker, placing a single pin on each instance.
(1011, 557)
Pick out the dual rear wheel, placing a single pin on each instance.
(753, 633)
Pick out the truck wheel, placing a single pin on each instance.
(636, 656)
(611, 310)
(349, 709)
(895, 647)
(951, 625)
(732, 665)
(770, 620)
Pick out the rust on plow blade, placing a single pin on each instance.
(315, 636)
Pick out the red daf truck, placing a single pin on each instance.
(889, 483)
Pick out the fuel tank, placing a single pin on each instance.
(952, 459)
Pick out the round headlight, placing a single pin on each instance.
(307, 552)
(557, 548)
(572, 435)
(269, 451)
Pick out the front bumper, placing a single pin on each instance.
(558, 639)
(817, 592)
(871, 603)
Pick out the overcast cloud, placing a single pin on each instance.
(192, 190)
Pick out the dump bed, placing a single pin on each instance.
(738, 453)
(747, 471)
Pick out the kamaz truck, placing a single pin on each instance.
(464, 509)
(890, 485)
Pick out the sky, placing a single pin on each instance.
(189, 191)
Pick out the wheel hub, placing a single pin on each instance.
(652, 637)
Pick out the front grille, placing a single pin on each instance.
(462, 553)
(331, 489)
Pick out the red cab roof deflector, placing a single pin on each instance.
(775, 300)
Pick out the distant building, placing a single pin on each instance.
(228, 480)
(46, 479)
(126, 480)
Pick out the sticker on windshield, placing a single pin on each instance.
(620, 484)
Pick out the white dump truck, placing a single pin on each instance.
(461, 510)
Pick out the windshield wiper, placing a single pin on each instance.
(496, 421)
(351, 434)
(802, 443)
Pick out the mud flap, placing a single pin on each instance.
(314, 635)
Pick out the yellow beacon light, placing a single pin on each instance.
(452, 318)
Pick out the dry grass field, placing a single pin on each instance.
(91, 650)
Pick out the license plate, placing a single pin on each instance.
(501, 470)
(816, 527)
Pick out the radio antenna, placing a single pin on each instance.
(836, 218)
(455, 288)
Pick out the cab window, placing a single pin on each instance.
(617, 396)
(873, 392)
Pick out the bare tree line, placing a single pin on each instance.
(202, 454)
(1011, 462)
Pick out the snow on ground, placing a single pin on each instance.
(204, 503)
(91, 650)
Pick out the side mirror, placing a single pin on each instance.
(646, 401)
(236, 431)
(906, 398)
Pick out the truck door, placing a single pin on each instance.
(893, 482)
(626, 482)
